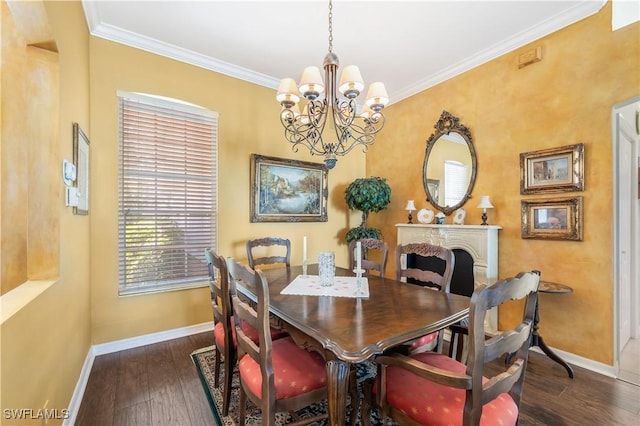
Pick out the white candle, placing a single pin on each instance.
(304, 248)
(358, 255)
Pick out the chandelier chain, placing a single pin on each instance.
(330, 26)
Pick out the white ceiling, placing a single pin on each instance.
(408, 45)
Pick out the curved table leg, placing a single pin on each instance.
(536, 340)
(337, 387)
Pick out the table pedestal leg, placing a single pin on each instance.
(536, 340)
(337, 387)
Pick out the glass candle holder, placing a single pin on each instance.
(326, 268)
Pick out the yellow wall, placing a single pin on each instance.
(44, 345)
(564, 99)
(248, 123)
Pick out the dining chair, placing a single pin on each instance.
(431, 388)
(377, 262)
(263, 245)
(431, 266)
(222, 318)
(275, 375)
(224, 329)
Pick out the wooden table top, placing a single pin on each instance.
(354, 329)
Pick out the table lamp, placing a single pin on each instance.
(410, 207)
(484, 205)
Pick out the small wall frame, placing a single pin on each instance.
(552, 219)
(81, 161)
(552, 170)
(288, 190)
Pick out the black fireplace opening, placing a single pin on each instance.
(462, 281)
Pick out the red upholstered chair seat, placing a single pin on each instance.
(296, 371)
(430, 403)
(424, 343)
(218, 332)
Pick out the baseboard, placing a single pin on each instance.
(120, 345)
(589, 364)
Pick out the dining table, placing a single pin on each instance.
(348, 329)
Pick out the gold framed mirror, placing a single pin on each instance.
(450, 165)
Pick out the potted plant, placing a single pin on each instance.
(368, 195)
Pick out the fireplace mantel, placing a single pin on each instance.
(480, 241)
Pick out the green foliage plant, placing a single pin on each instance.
(369, 195)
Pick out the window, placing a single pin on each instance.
(456, 182)
(167, 184)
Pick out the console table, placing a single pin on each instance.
(480, 241)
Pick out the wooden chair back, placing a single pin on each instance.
(222, 312)
(431, 277)
(478, 391)
(268, 259)
(374, 255)
(483, 350)
(257, 315)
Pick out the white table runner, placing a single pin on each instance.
(309, 285)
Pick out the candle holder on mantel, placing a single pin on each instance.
(410, 207)
(484, 205)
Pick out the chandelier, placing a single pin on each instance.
(346, 126)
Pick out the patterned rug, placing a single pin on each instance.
(204, 360)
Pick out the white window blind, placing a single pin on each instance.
(167, 176)
(456, 182)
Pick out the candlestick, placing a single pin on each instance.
(304, 248)
(358, 255)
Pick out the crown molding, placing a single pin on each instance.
(529, 35)
(118, 35)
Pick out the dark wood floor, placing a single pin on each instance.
(158, 385)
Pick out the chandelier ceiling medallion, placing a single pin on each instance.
(347, 127)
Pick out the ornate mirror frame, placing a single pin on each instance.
(449, 124)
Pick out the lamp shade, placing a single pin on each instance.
(311, 85)
(287, 93)
(377, 96)
(485, 203)
(351, 82)
(410, 205)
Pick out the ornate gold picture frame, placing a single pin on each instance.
(288, 190)
(552, 170)
(552, 219)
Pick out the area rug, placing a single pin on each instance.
(204, 360)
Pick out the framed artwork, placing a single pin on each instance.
(552, 219)
(81, 161)
(288, 190)
(552, 170)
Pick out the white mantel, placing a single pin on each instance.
(480, 241)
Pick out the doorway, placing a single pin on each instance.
(626, 160)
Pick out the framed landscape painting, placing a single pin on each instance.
(552, 170)
(285, 190)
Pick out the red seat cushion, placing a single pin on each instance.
(424, 342)
(251, 332)
(296, 371)
(431, 403)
